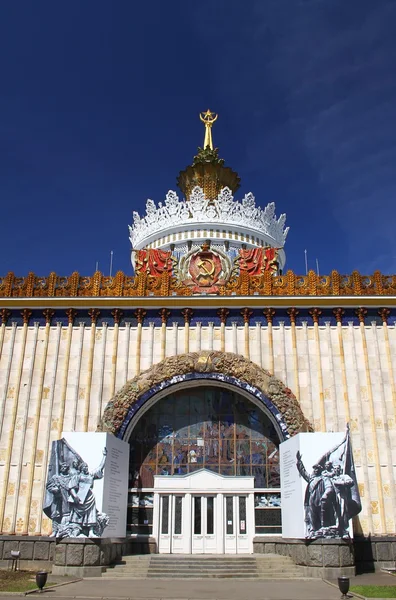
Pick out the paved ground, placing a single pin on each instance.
(380, 578)
(196, 589)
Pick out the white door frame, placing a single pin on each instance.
(203, 483)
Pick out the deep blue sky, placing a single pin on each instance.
(99, 104)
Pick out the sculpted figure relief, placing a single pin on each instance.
(58, 508)
(83, 508)
(70, 500)
(332, 495)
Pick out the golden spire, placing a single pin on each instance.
(207, 170)
(208, 118)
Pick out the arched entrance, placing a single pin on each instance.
(204, 431)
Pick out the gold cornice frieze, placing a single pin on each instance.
(266, 288)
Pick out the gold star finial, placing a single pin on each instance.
(208, 118)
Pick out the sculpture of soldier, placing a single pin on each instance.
(57, 505)
(313, 495)
(342, 484)
(83, 508)
(328, 509)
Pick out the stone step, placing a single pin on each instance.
(198, 570)
(204, 575)
(265, 576)
(203, 557)
(175, 561)
(187, 566)
(204, 563)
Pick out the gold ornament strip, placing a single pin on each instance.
(124, 286)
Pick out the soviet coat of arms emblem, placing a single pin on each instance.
(205, 269)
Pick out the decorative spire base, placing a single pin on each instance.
(207, 170)
(209, 173)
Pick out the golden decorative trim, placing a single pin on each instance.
(5, 315)
(71, 314)
(187, 314)
(140, 315)
(117, 314)
(126, 286)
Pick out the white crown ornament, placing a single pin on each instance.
(200, 213)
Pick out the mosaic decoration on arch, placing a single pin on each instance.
(209, 428)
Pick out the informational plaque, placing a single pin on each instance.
(292, 489)
(319, 489)
(107, 459)
(115, 488)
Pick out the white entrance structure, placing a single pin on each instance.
(203, 513)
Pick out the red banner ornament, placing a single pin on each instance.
(153, 262)
(257, 260)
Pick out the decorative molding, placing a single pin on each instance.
(94, 313)
(140, 314)
(361, 314)
(164, 313)
(26, 314)
(339, 313)
(315, 314)
(142, 285)
(223, 314)
(277, 399)
(48, 314)
(187, 313)
(5, 314)
(269, 314)
(246, 314)
(384, 314)
(71, 315)
(224, 211)
(117, 314)
(292, 312)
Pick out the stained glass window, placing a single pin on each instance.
(205, 427)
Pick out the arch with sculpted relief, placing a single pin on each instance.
(200, 368)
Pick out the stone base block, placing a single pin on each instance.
(79, 572)
(374, 553)
(28, 565)
(85, 557)
(320, 558)
(36, 551)
(329, 572)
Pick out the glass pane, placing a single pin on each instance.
(210, 515)
(206, 428)
(165, 515)
(268, 520)
(197, 515)
(178, 514)
(242, 514)
(229, 515)
(140, 520)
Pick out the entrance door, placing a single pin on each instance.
(203, 513)
(236, 538)
(203, 524)
(171, 537)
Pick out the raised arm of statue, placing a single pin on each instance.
(301, 468)
(98, 473)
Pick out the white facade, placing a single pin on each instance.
(60, 378)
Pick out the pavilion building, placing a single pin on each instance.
(204, 361)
